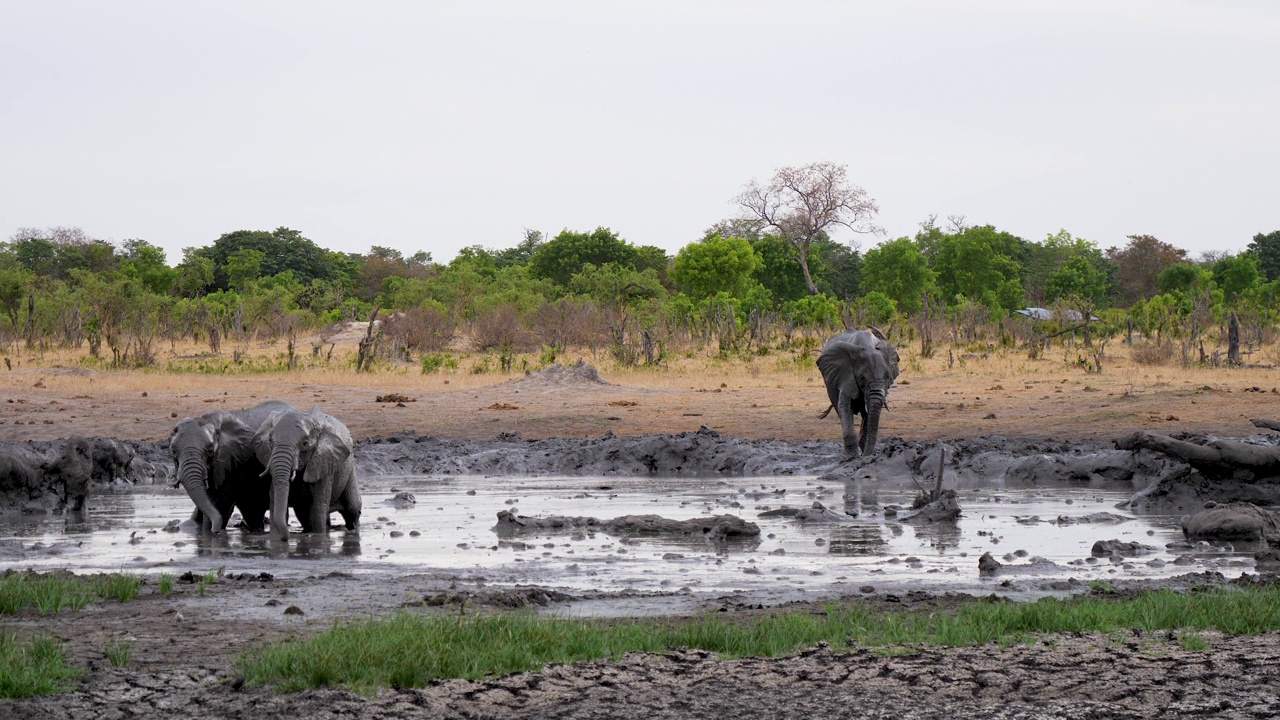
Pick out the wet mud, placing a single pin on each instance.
(612, 526)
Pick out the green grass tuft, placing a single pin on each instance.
(36, 667)
(58, 591)
(118, 652)
(412, 650)
(166, 584)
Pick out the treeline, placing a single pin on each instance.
(740, 288)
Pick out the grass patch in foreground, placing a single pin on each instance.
(412, 650)
(58, 591)
(35, 667)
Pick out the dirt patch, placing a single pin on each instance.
(562, 376)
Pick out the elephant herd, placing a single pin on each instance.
(264, 460)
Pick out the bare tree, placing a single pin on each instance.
(801, 202)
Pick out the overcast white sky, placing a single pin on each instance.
(424, 125)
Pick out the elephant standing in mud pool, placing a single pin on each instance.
(73, 469)
(858, 367)
(217, 466)
(310, 460)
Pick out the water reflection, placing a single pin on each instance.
(299, 546)
(939, 535)
(860, 539)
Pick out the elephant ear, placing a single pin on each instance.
(328, 457)
(234, 438)
(876, 331)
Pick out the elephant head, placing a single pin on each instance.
(204, 448)
(293, 446)
(858, 368)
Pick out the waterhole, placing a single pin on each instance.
(1036, 533)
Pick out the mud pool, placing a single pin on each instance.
(448, 536)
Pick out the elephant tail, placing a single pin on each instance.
(827, 411)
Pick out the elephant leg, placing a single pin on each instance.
(851, 446)
(349, 505)
(321, 495)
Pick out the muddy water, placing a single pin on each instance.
(448, 534)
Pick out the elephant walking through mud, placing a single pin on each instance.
(218, 468)
(309, 458)
(858, 367)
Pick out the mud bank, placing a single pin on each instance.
(1162, 484)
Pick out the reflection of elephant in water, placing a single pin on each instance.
(217, 467)
(312, 468)
(858, 367)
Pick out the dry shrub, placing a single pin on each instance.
(1151, 354)
(421, 329)
(568, 323)
(502, 329)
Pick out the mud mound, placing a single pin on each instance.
(557, 376)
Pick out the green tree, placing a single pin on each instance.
(618, 286)
(1180, 277)
(147, 264)
(14, 284)
(1235, 275)
(713, 265)
(839, 268)
(194, 274)
(779, 270)
(1267, 249)
(973, 264)
(899, 270)
(243, 267)
(800, 203)
(282, 249)
(565, 255)
(522, 252)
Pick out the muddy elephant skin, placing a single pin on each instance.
(858, 367)
(71, 472)
(310, 460)
(215, 463)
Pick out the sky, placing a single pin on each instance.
(434, 126)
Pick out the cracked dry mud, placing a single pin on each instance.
(1128, 675)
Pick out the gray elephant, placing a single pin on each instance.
(858, 367)
(70, 472)
(312, 467)
(217, 466)
(111, 460)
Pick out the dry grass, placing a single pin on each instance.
(777, 394)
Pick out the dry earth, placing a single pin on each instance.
(183, 662)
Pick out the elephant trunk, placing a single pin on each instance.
(875, 402)
(192, 475)
(281, 467)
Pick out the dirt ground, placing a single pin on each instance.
(1009, 396)
(183, 661)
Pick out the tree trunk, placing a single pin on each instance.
(1233, 341)
(803, 249)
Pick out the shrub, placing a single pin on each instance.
(423, 329)
(1151, 353)
(433, 362)
(502, 329)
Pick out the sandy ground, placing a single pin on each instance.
(1016, 398)
(183, 662)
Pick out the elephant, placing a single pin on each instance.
(216, 464)
(309, 457)
(73, 468)
(111, 459)
(18, 473)
(858, 367)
